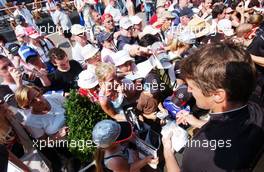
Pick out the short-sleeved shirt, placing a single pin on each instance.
(66, 80)
(50, 123)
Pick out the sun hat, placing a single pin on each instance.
(148, 29)
(88, 51)
(225, 26)
(107, 132)
(87, 79)
(121, 57)
(77, 29)
(125, 22)
(199, 27)
(135, 19)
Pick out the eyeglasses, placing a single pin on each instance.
(109, 21)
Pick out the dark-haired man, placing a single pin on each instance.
(221, 77)
(65, 76)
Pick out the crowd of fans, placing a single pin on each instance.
(204, 57)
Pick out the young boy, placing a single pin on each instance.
(65, 76)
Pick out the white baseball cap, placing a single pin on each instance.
(125, 22)
(148, 29)
(87, 79)
(135, 19)
(121, 57)
(88, 51)
(225, 26)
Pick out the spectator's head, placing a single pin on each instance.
(255, 19)
(5, 66)
(123, 61)
(149, 29)
(229, 79)
(91, 55)
(13, 49)
(104, 71)
(33, 35)
(186, 15)
(18, 4)
(168, 17)
(137, 23)
(96, 17)
(218, 11)
(148, 40)
(126, 26)
(109, 133)
(208, 4)
(87, 80)
(79, 34)
(108, 22)
(106, 40)
(29, 96)
(20, 20)
(31, 56)
(58, 6)
(60, 59)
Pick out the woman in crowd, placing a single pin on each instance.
(111, 155)
(43, 116)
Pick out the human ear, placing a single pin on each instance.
(219, 95)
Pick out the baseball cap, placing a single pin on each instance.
(19, 19)
(186, 12)
(167, 14)
(87, 79)
(225, 26)
(13, 49)
(27, 52)
(181, 96)
(107, 132)
(77, 29)
(103, 36)
(149, 29)
(32, 33)
(135, 19)
(121, 57)
(106, 15)
(153, 83)
(125, 22)
(88, 51)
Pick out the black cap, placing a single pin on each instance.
(181, 96)
(13, 49)
(186, 12)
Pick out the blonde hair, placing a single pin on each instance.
(255, 19)
(103, 70)
(22, 95)
(175, 44)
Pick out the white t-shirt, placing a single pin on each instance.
(49, 123)
(60, 17)
(77, 53)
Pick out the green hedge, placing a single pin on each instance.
(82, 115)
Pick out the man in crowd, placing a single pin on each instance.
(223, 86)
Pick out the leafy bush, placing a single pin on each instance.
(82, 115)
